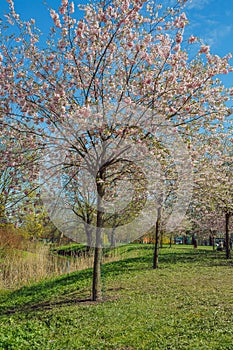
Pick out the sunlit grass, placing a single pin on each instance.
(186, 304)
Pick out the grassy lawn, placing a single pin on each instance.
(186, 304)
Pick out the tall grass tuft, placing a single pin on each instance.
(35, 263)
(23, 262)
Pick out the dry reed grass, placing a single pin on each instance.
(21, 267)
(23, 262)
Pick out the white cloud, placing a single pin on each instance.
(197, 4)
(214, 36)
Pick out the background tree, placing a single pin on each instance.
(214, 184)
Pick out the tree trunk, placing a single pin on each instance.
(60, 238)
(227, 235)
(161, 239)
(212, 239)
(170, 244)
(113, 235)
(88, 231)
(113, 238)
(96, 283)
(213, 243)
(156, 247)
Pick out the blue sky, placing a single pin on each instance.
(211, 20)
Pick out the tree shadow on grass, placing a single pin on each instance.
(43, 293)
(202, 257)
(184, 256)
(68, 289)
(74, 288)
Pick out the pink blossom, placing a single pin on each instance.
(179, 38)
(204, 49)
(127, 100)
(125, 5)
(180, 21)
(81, 25)
(224, 71)
(176, 47)
(173, 110)
(148, 81)
(79, 33)
(192, 39)
(71, 7)
(183, 16)
(63, 10)
(55, 18)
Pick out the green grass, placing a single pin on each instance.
(75, 249)
(186, 304)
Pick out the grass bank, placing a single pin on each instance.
(186, 304)
(35, 261)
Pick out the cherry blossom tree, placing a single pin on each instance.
(17, 178)
(123, 72)
(213, 200)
